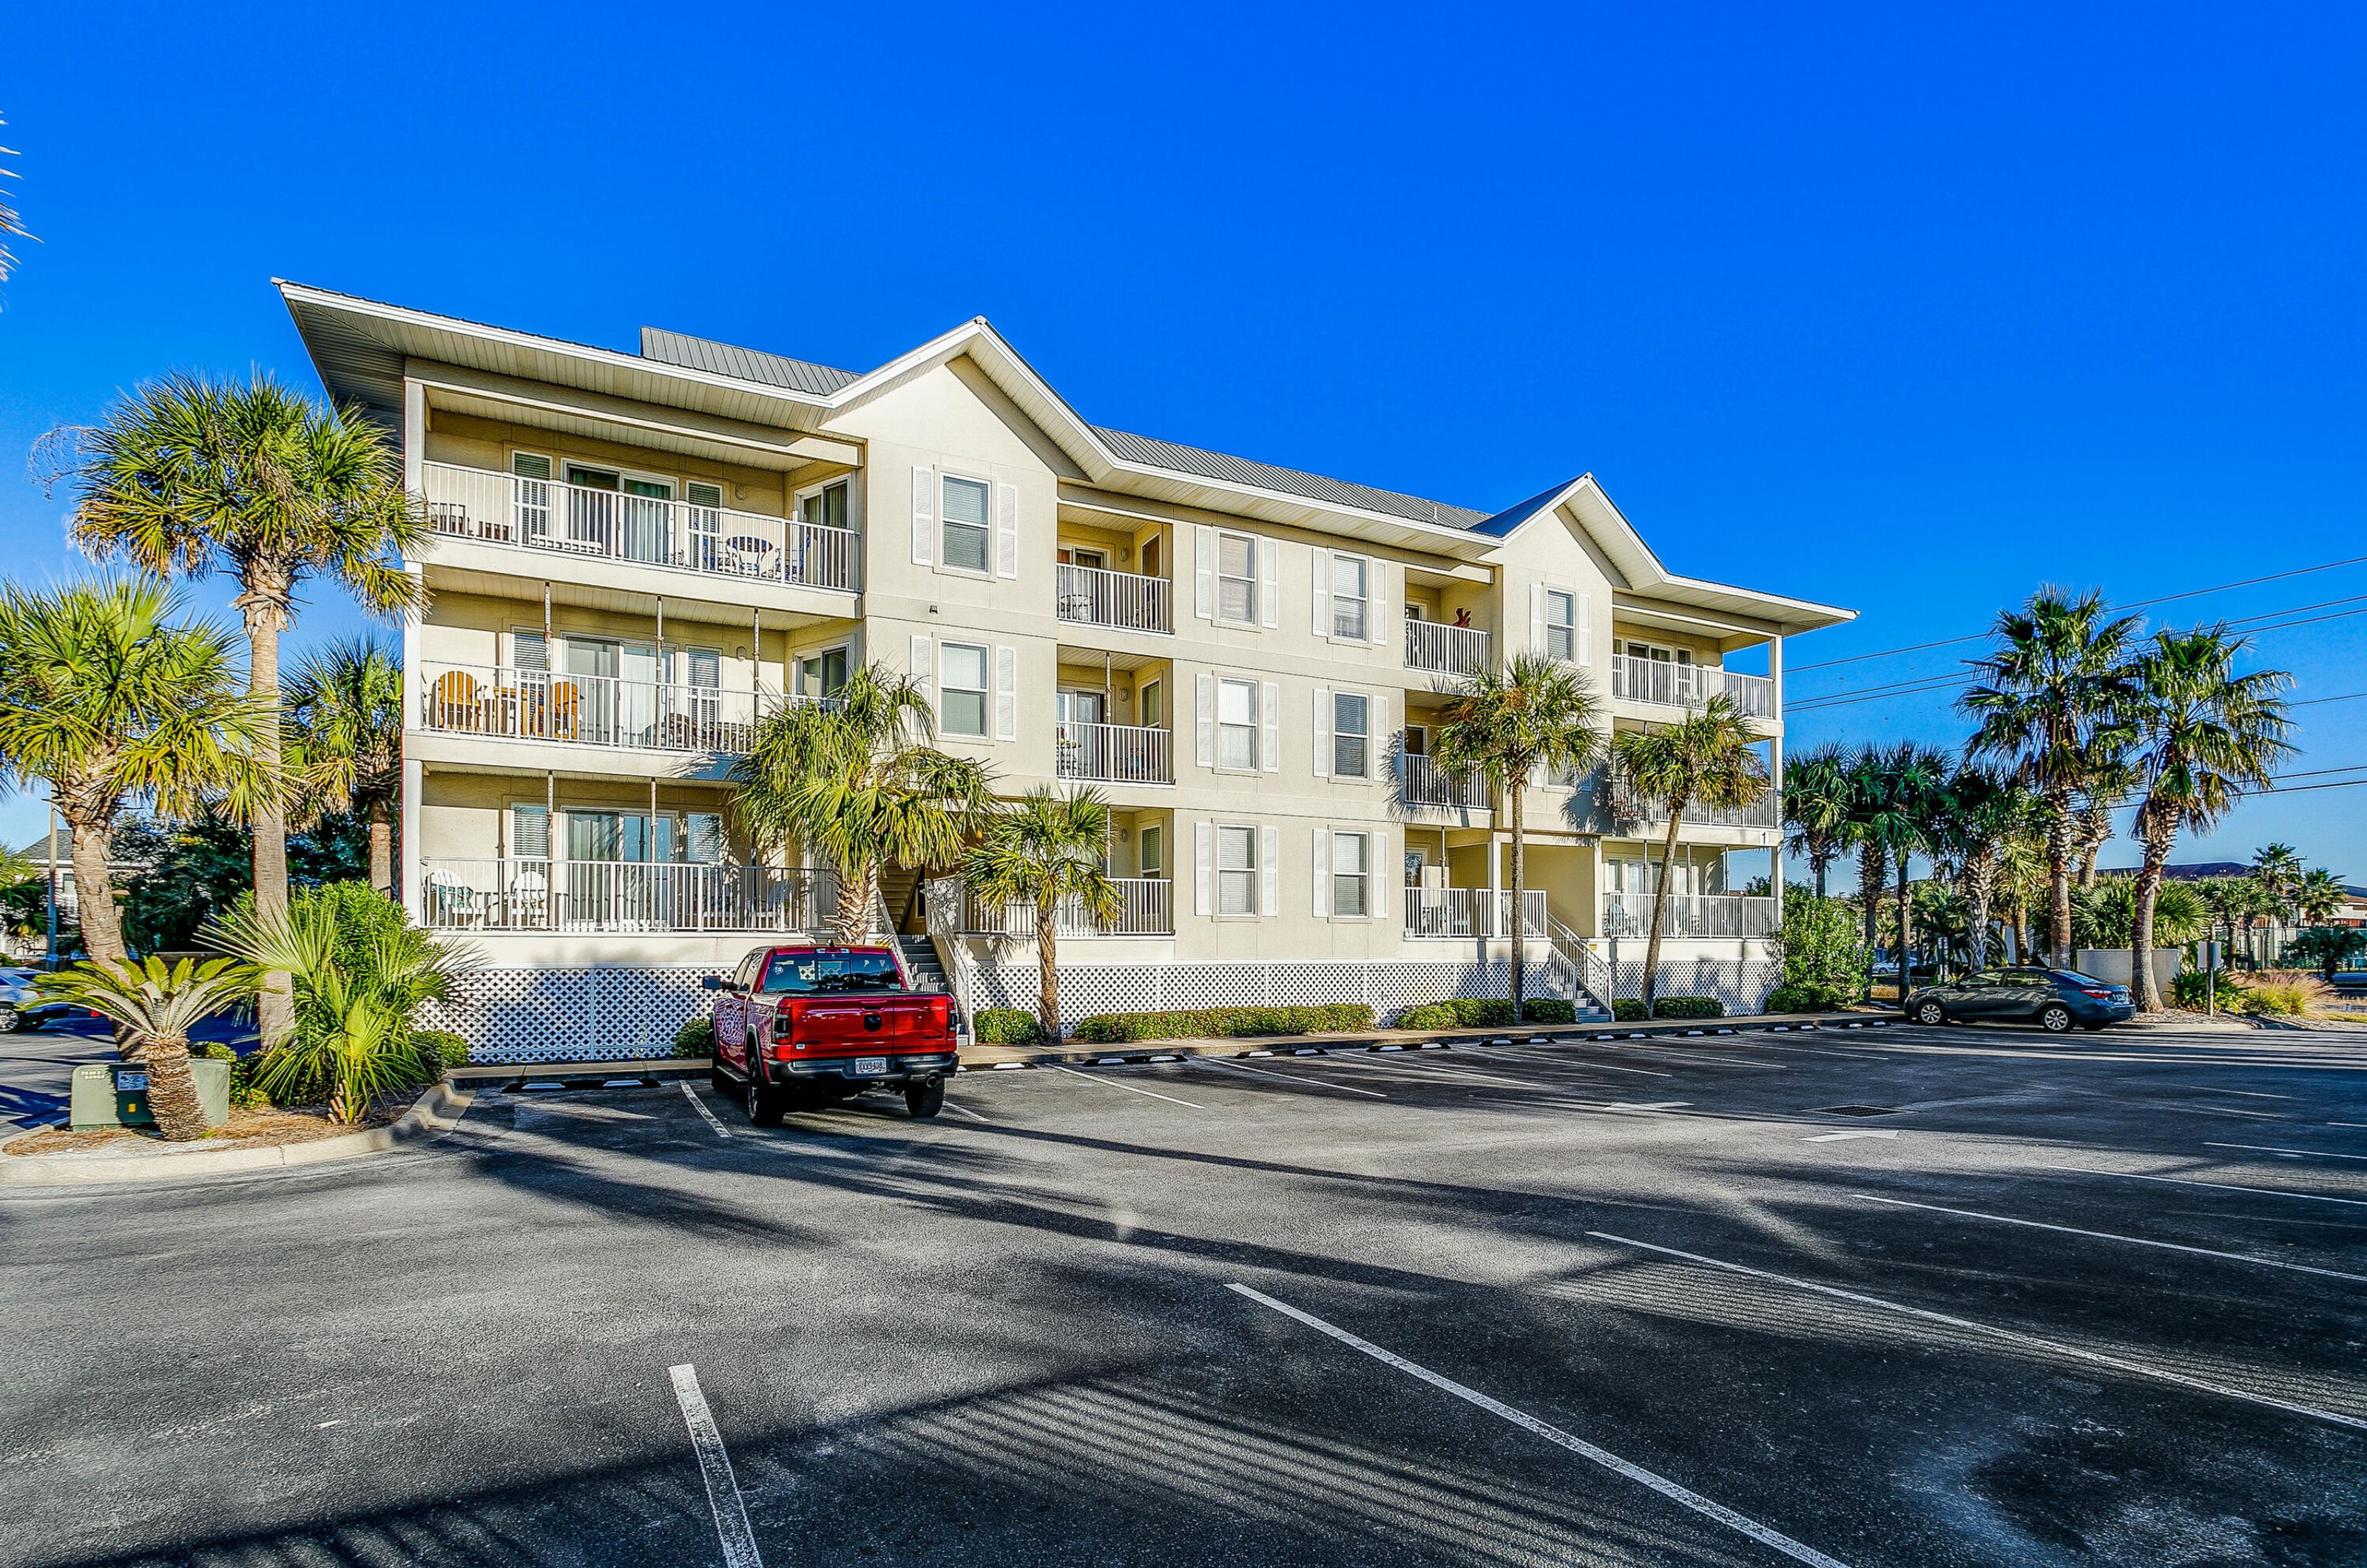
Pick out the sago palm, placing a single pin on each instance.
(1537, 714)
(2045, 702)
(855, 780)
(1815, 807)
(190, 475)
(1046, 851)
(2205, 735)
(345, 742)
(153, 1007)
(1705, 760)
(106, 699)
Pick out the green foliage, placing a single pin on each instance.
(2190, 989)
(190, 871)
(1219, 1023)
(1811, 998)
(1630, 1010)
(1688, 1007)
(2286, 993)
(440, 1046)
(2326, 948)
(695, 1037)
(1824, 957)
(1006, 1026)
(1046, 851)
(1548, 1009)
(1485, 1013)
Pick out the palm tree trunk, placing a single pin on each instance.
(2157, 845)
(173, 1091)
(852, 919)
(102, 925)
(1821, 861)
(1906, 928)
(1871, 862)
(381, 849)
(1661, 908)
(2060, 828)
(1519, 926)
(1981, 883)
(1048, 969)
(265, 613)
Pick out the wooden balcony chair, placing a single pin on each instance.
(455, 702)
(528, 898)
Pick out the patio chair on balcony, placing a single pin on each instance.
(528, 898)
(749, 555)
(555, 713)
(455, 702)
(451, 902)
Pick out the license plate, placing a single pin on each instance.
(131, 1080)
(871, 1066)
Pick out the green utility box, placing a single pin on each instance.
(114, 1094)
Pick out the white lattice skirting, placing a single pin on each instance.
(1742, 984)
(1387, 988)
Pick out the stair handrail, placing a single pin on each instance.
(943, 907)
(1588, 968)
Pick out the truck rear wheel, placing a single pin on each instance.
(926, 1098)
(763, 1104)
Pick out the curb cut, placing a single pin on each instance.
(434, 1113)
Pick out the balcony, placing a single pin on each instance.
(1115, 753)
(1423, 784)
(1445, 650)
(1446, 913)
(1767, 811)
(1659, 683)
(563, 519)
(1146, 907)
(1091, 597)
(1689, 914)
(534, 894)
(506, 704)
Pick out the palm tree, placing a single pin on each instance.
(344, 715)
(1916, 820)
(8, 222)
(191, 474)
(2320, 897)
(1703, 760)
(2108, 781)
(1815, 807)
(105, 699)
(1865, 793)
(855, 780)
(1046, 851)
(1506, 725)
(2045, 703)
(2204, 736)
(1991, 810)
(2278, 871)
(152, 1009)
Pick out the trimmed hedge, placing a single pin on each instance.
(441, 1045)
(1219, 1023)
(1485, 1013)
(1629, 1009)
(1688, 1007)
(1006, 1026)
(1809, 998)
(695, 1037)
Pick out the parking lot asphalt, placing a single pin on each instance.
(1902, 1297)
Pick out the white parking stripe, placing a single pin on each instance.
(2222, 1186)
(715, 1468)
(1294, 1077)
(1112, 1083)
(966, 1111)
(1475, 1074)
(1578, 1446)
(2272, 1149)
(2108, 1236)
(700, 1106)
(2095, 1357)
(1570, 1062)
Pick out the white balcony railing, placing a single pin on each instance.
(1445, 648)
(1091, 597)
(534, 895)
(544, 515)
(1116, 753)
(587, 710)
(1767, 811)
(1690, 914)
(1663, 683)
(1472, 912)
(1147, 907)
(1423, 783)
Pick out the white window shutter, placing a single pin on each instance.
(1379, 625)
(1269, 581)
(925, 669)
(1536, 618)
(1203, 572)
(1321, 841)
(1321, 577)
(1204, 868)
(528, 650)
(1586, 628)
(1207, 737)
(924, 516)
(530, 832)
(1269, 870)
(1322, 732)
(1270, 743)
(1006, 530)
(1387, 868)
(1006, 691)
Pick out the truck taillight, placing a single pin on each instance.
(784, 1022)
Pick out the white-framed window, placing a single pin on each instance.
(1351, 735)
(967, 516)
(1236, 724)
(1237, 874)
(1154, 704)
(821, 673)
(826, 507)
(1656, 652)
(1237, 579)
(1562, 625)
(961, 689)
(1352, 579)
(1351, 865)
(1152, 856)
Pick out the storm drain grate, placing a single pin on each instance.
(1851, 1111)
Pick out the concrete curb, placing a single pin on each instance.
(434, 1113)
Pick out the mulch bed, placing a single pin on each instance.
(296, 1124)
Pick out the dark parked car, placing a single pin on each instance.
(2057, 1000)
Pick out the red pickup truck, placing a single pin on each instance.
(802, 1026)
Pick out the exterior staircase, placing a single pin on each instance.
(899, 889)
(920, 962)
(1577, 971)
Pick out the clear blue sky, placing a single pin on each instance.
(1909, 313)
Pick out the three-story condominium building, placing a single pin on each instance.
(635, 557)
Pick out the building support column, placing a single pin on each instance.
(413, 777)
(1775, 776)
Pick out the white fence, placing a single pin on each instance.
(1117, 753)
(1689, 915)
(1146, 907)
(1471, 912)
(1767, 811)
(1665, 683)
(1091, 597)
(586, 710)
(1447, 650)
(544, 515)
(519, 894)
(1423, 783)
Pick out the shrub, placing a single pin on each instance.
(440, 1046)
(1548, 1009)
(2290, 993)
(695, 1037)
(1821, 952)
(1219, 1023)
(1006, 1026)
(1809, 998)
(1688, 1007)
(1461, 1012)
(2189, 989)
(1629, 1009)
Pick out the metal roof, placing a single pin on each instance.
(728, 359)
